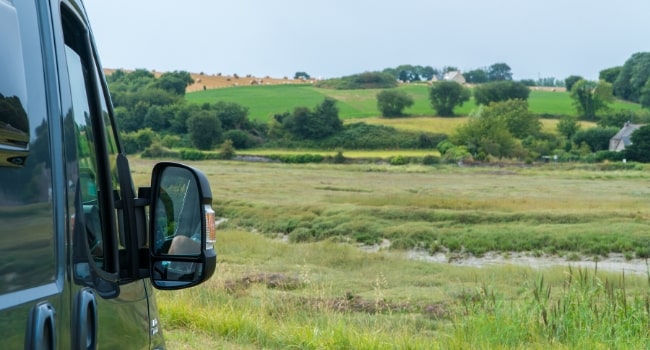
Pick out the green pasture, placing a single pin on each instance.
(291, 273)
(265, 101)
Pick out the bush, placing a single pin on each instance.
(240, 139)
(339, 158)
(226, 150)
(192, 155)
(430, 160)
(500, 91)
(365, 136)
(156, 150)
(367, 80)
(391, 103)
(172, 141)
(297, 158)
(398, 160)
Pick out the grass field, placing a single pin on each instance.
(265, 101)
(326, 293)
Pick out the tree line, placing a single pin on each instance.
(152, 111)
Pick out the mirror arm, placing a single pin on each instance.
(139, 204)
(144, 197)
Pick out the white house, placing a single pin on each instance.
(454, 76)
(623, 137)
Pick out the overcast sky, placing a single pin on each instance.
(333, 38)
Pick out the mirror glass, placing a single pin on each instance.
(177, 220)
(178, 214)
(176, 273)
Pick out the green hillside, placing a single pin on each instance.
(265, 101)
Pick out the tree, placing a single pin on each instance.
(590, 97)
(596, 138)
(204, 129)
(500, 91)
(617, 118)
(232, 115)
(407, 73)
(570, 80)
(499, 72)
(633, 76)
(486, 136)
(410, 73)
(568, 126)
(476, 76)
(301, 75)
(427, 73)
(519, 121)
(446, 95)
(156, 119)
(639, 150)
(391, 103)
(322, 122)
(610, 74)
(174, 82)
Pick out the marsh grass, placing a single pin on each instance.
(321, 291)
(342, 298)
(552, 209)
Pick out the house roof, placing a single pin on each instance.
(623, 137)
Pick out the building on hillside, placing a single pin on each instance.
(623, 137)
(456, 76)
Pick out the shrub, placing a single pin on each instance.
(156, 150)
(300, 235)
(365, 136)
(444, 146)
(298, 158)
(391, 103)
(339, 158)
(192, 155)
(500, 91)
(398, 160)
(367, 80)
(430, 160)
(226, 150)
(171, 141)
(240, 139)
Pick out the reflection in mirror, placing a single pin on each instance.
(176, 273)
(178, 215)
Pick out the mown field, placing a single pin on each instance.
(316, 288)
(265, 101)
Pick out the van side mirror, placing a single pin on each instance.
(181, 226)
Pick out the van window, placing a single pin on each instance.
(88, 144)
(96, 147)
(27, 248)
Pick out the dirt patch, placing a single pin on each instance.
(271, 280)
(348, 303)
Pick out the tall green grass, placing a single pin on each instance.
(269, 294)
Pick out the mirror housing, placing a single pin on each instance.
(181, 226)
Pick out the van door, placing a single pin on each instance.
(99, 253)
(33, 296)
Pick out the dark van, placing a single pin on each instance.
(80, 248)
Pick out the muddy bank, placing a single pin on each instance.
(610, 263)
